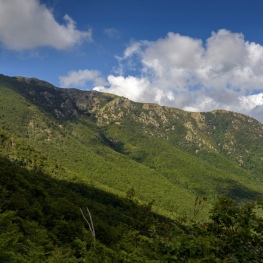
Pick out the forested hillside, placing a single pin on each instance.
(167, 155)
(41, 221)
(150, 175)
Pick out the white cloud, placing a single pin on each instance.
(257, 113)
(30, 24)
(134, 48)
(131, 87)
(175, 52)
(224, 72)
(80, 79)
(226, 51)
(250, 102)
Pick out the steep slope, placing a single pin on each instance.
(112, 143)
(41, 221)
(235, 136)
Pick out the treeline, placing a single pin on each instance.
(41, 221)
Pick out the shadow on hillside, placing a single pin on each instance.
(236, 191)
(26, 190)
(50, 99)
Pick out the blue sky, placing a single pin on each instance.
(193, 55)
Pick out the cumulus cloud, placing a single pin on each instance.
(80, 79)
(223, 72)
(257, 113)
(130, 87)
(31, 24)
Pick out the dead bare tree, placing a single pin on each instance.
(90, 224)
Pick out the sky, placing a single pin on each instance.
(196, 55)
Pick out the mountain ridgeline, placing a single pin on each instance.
(164, 154)
(93, 176)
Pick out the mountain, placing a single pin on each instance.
(87, 176)
(115, 145)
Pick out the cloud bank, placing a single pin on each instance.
(223, 72)
(81, 78)
(30, 24)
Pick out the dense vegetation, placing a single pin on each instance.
(40, 221)
(167, 155)
(152, 177)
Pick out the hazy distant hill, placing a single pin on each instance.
(109, 142)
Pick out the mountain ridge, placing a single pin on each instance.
(164, 153)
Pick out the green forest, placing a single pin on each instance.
(93, 177)
(41, 221)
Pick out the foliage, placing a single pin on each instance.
(114, 144)
(40, 221)
(62, 150)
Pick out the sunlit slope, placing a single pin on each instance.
(114, 144)
(76, 151)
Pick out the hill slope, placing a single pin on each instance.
(165, 154)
